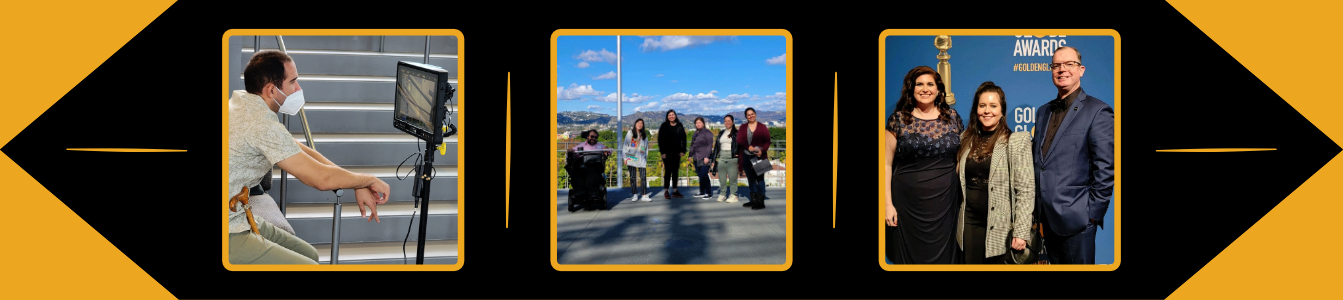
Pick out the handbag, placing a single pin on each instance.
(761, 166)
(1030, 255)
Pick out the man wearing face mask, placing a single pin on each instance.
(257, 141)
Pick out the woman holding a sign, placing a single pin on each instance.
(753, 137)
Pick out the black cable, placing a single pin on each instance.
(404, 261)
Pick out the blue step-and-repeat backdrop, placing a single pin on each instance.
(1018, 64)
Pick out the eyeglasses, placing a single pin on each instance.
(1064, 66)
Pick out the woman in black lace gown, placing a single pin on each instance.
(925, 192)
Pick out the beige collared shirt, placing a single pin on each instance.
(257, 141)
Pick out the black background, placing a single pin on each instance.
(1179, 210)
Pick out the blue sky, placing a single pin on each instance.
(691, 74)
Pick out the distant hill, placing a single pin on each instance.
(654, 118)
(583, 118)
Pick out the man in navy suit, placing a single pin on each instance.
(1074, 163)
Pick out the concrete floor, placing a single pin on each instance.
(676, 231)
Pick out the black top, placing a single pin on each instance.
(977, 183)
(1060, 110)
(671, 139)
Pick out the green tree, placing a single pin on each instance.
(778, 133)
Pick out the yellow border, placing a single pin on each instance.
(554, 99)
(881, 155)
(834, 159)
(461, 125)
(508, 147)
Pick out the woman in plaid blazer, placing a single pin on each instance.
(998, 182)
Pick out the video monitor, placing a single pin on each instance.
(421, 94)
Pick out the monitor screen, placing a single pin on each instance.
(415, 92)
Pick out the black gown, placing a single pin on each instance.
(926, 192)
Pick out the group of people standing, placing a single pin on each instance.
(725, 154)
(980, 194)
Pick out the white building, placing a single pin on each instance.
(777, 177)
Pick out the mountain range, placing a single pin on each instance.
(654, 118)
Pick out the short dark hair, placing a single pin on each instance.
(743, 113)
(1079, 53)
(265, 67)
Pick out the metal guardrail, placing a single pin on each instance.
(612, 181)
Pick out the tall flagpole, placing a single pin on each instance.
(620, 120)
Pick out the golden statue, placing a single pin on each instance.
(943, 43)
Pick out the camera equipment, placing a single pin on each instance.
(422, 95)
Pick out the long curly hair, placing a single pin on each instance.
(907, 103)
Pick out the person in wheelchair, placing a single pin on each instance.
(586, 164)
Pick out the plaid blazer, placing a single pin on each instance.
(1011, 187)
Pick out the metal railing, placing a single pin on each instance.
(685, 175)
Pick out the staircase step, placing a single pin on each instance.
(355, 106)
(408, 44)
(357, 64)
(366, 89)
(376, 149)
(347, 121)
(443, 187)
(365, 138)
(402, 208)
(387, 252)
(248, 50)
(357, 230)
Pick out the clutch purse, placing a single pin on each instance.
(1030, 255)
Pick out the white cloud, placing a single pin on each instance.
(608, 75)
(575, 92)
(673, 42)
(688, 97)
(595, 56)
(710, 104)
(659, 75)
(673, 81)
(647, 107)
(594, 108)
(582, 64)
(778, 60)
(743, 96)
(628, 98)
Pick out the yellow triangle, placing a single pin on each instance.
(54, 253)
(55, 45)
(1290, 48)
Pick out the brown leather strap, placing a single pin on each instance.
(242, 196)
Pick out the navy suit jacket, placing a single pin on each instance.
(1075, 179)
